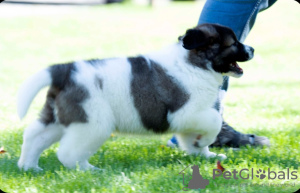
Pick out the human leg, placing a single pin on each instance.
(239, 15)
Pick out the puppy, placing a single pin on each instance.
(173, 90)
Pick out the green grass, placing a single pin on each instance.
(265, 101)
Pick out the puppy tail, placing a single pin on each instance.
(29, 90)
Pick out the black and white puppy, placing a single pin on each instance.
(173, 90)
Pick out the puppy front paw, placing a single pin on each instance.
(222, 156)
(210, 154)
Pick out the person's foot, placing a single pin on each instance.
(232, 138)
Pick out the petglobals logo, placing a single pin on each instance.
(192, 178)
(247, 174)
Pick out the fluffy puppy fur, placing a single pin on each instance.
(173, 90)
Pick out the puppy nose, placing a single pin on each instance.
(250, 51)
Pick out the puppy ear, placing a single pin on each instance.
(194, 38)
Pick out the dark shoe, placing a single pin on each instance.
(261, 141)
(230, 137)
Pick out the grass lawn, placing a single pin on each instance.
(265, 101)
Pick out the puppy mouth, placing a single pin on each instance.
(234, 67)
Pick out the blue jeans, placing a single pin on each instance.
(239, 15)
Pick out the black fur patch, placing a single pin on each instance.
(155, 93)
(47, 114)
(217, 105)
(194, 39)
(198, 59)
(68, 102)
(64, 97)
(61, 75)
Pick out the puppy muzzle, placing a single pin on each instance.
(249, 52)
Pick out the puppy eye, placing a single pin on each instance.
(227, 46)
(213, 40)
(234, 44)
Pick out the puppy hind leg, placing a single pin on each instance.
(80, 141)
(36, 138)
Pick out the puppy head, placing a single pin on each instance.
(216, 47)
